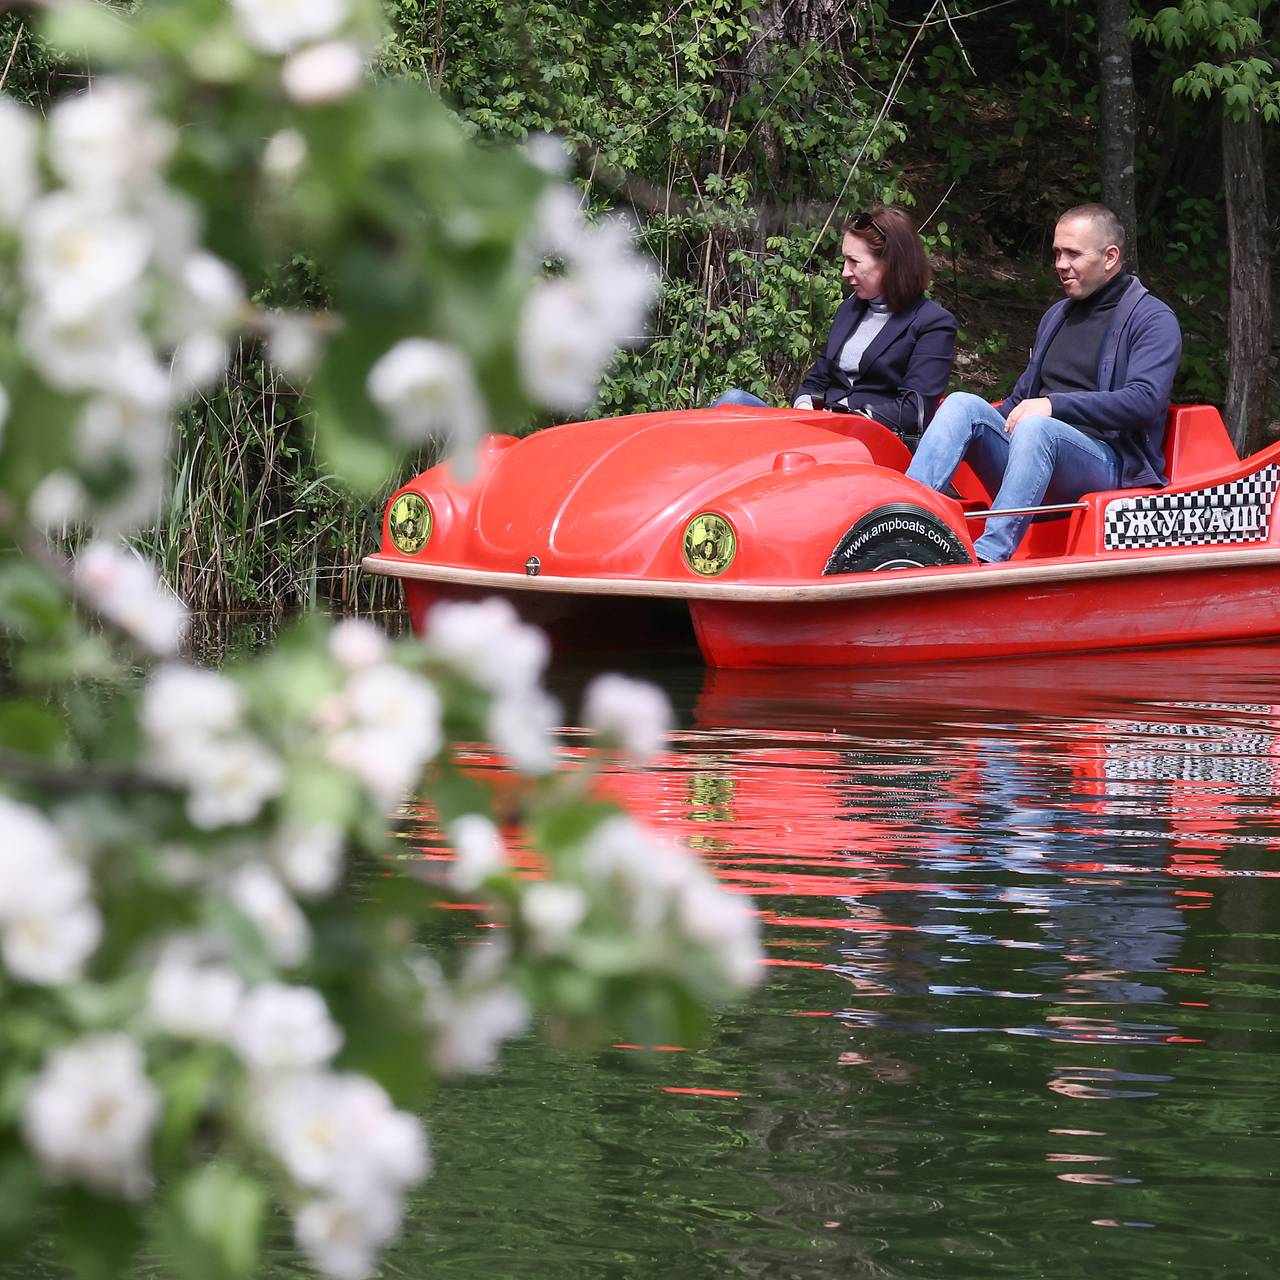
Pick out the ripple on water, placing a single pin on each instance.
(1020, 1006)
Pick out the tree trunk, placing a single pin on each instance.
(1119, 118)
(1249, 322)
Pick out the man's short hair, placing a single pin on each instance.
(1105, 220)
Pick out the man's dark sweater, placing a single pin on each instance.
(1071, 362)
(1126, 398)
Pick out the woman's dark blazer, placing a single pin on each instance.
(903, 371)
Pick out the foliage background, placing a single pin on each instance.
(737, 135)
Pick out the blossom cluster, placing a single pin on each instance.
(321, 63)
(573, 322)
(126, 590)
(570, 328)
(385, 722)
(669, 895)
(119, 303)
(49, 924)
(487, 644)
(197, 737)
(349, 1154)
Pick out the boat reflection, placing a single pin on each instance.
(1070, 810)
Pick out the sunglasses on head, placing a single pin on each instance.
(865, 222)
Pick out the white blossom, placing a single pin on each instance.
(309, 857)
(293, 343)
(357, 644)
(341, 1134)
(521, 726)
(396, 701)
(376, 759)
(36, 875)
(106, 142)
(19, 140)
(228, 779)
(478, 852)
(205, 300)
(102, 352)
(192, 993)
(283, 1028)
(488, 644)
(667, 888)
(614, 282)
(133, 428)
(174, 220)
(621, 853)
(259, 894)
(48, 925)
(471, 1027)
(198, 362)
(571, 325)
(548, 153)
(631, 714)
(57, 501)
(393, 724)
(426, 388)
(725, 924)
(553, 911)
(126, 590)
(277, 26)
(561, 350)
(342, 1236)
(284, 154)
(90, 1114)
(79, 259)
(559, 228)
(51, 949)
(182, 703)
(324, 72)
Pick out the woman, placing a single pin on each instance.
(890, 349)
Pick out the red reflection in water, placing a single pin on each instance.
(705, 1093)
(865, 810)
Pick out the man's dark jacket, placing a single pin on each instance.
(1136, 364)
(902, 372)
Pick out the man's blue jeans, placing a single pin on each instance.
(1042, 460)
(735, 395)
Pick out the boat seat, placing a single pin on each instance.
(1196, 442)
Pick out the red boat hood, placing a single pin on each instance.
(597, 493)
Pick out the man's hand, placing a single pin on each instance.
(1042, 407)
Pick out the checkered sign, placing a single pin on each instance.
(1238, 511)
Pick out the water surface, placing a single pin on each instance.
(1020, 1009)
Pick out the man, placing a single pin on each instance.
(1088, 411)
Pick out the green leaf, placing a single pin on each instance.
(99, 1236)
(21, 1194)
(187, 1083)
(32, 729)
(212, 1227)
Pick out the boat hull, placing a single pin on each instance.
(1195, 607)
(938, 615)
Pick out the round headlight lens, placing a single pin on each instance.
(709, 544)
(410, 523)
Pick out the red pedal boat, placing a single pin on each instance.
(785, 537)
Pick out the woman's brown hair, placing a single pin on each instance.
(892, 237)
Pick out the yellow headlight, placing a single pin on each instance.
(410, 523)
(709, 544)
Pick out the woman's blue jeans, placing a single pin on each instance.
(735, 395)
(1041, 460)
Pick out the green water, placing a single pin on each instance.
(1019, 1018)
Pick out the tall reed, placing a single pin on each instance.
(255, 520)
